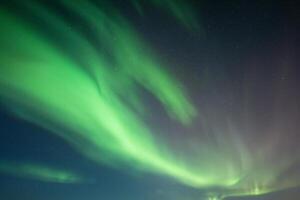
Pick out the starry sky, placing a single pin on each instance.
(200, 100)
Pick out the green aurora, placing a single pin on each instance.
(39, 172)
(87, 93)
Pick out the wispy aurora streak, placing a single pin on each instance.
(180, 9)
(86, 91)
(39, 172)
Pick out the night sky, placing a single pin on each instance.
(193, 98)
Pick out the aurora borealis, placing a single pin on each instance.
(42, 173)
(116, 90)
